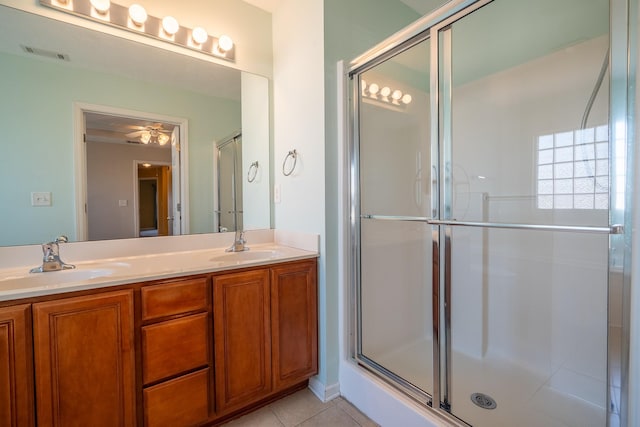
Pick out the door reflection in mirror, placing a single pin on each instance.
(131, 181)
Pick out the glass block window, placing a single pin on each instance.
(573, 169)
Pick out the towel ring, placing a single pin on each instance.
(253, 171)
(293, 154)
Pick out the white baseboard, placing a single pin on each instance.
(322, 392)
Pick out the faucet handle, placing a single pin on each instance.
(62, 239)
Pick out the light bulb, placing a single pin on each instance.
(363, 84)
(373, 88)
(199, 35)
(385, 91)
(225, 43)
(406, 99)
(145, 138)
(397, 94)
(170, 25)
(163, 139)
(101, 6)
(137, 14)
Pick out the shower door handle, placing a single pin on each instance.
(612, 229)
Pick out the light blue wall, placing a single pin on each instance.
(36, 118)
(350, 28)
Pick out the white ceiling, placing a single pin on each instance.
(420, 6)
(110, 54)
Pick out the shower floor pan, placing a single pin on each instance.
(523, 398)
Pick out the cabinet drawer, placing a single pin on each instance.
(173, 298)
(172, 347)
(182, 401)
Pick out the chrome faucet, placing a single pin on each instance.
(238, 243)
(51, 257)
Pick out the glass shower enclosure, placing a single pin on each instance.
(488, 158)
(228, 209)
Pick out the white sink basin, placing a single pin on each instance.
(246, 256)
(51, 278)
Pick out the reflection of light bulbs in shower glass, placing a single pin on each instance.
(373, 88)
(397, 94)
(385, 91)
(101, 6)
(170, 25)
(199, 35)
(137, 14)
(406, 99)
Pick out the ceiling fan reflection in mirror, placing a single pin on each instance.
(152, 134)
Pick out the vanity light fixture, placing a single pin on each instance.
(170, 25)
(101, 6)
(199, 35)
(134, 18)
(225, 44)
(137, 14)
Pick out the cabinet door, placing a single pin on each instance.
(242, 338)
(16, 368)
(294, 315)
(84, 360)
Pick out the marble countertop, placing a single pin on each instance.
(17, 282)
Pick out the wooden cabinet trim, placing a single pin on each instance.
(16, 367)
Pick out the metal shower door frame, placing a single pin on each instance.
(436, 27)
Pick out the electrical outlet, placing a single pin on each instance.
(41, 198)
(122, 203)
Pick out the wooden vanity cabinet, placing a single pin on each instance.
(176, 355)
(84, 360)
(265, 332)
(16, 367)
(189, 351)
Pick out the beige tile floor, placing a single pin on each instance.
(304, 409)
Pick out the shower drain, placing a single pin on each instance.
(483, 401)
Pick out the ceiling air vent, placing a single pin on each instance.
(46, 53)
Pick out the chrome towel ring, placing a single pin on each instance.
(252, 172)
(294, 155)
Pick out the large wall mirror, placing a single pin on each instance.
(73, 100)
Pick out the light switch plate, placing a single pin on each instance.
(41, 198)
(122, 203)
(277, 194)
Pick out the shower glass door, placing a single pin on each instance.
(487, 182)
(526, 160)
(395, 317)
